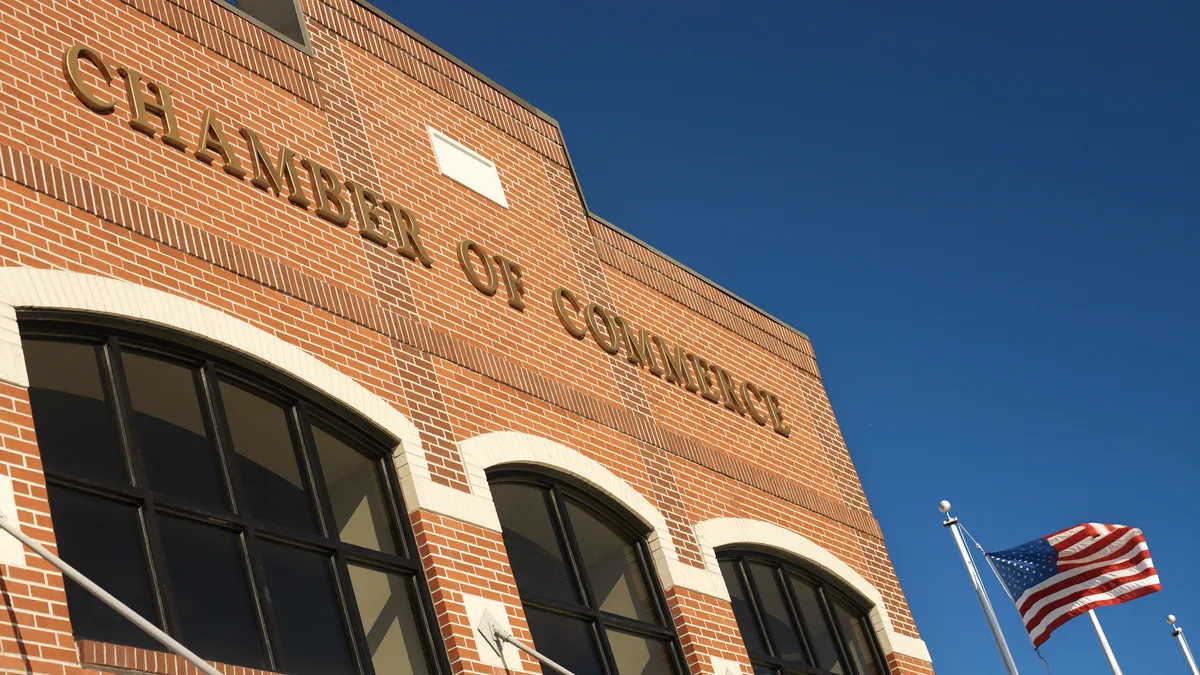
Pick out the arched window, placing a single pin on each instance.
(230, 506)
(585, 580)
(793, 621)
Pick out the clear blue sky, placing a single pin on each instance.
(986, 216)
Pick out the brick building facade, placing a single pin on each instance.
(318, 213)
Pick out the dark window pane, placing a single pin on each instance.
(775, 613)
(212, 598)
(763, 670)
(636, 655)
(742, 609)
(170, 431)
(853, 628)
(103, 540)
(279, 15)
(818, 627)
(533, 550)
(569, 642)
(304, 599)
(271, 482)
(353, 484)
(75, 429)
(612, 566)
(385, 606)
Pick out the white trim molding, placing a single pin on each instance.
(512, 447)
(718, 532)
(27, 287)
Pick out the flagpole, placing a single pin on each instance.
(980, 591)
(1177, 633)
(1108, 652)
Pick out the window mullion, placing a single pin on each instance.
(835, 631)
(113, 377)
(798, 617)
(311, 472)
(401, 527)
(566, 537)
(873, 644)
(251, 556)
(210, 408)
(574, 554)
(755, 605)
(351, 619)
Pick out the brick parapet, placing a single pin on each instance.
(84, 193)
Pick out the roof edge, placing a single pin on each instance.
(701, 277)
(579, 188)
(458, 62)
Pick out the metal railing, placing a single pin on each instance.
(107, 598)
(495, 635)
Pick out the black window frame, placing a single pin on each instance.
(558, 490)
(826, 591)
(304, 406)
(304, 44)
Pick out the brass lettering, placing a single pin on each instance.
(513, 283)
(674, 364)
(776, 414)
(366, 210)
(562, 294)
(609, 342)
(749, 393)
(704, 377)
(638, 348)
(408, 231)
(465, 249)
(212, 140)
(327, 190)
(84, 93)
(161, 107)
(274, 177)
(726, 387)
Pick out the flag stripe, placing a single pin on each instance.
(1059, 582)
(1100, 548)
(1110, 556)
(1144, 587)
(1034, 615)
(1059, 577)
(1073, 576)
(1060, 539)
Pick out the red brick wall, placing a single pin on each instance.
(84, 192)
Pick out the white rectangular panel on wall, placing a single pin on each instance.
(463, 165)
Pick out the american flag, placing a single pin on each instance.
(1056, 578)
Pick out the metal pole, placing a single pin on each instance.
(107, 598)
(507, 637)
(980, 592)
(1108, 652)
(1177, 632)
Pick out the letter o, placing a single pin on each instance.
(610, 343)
(465, 249)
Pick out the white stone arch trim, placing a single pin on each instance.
(485, 451)
(719, 532)
(27, 287)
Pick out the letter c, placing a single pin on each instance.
(563, 293)
(749, 392)
(83, 92)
